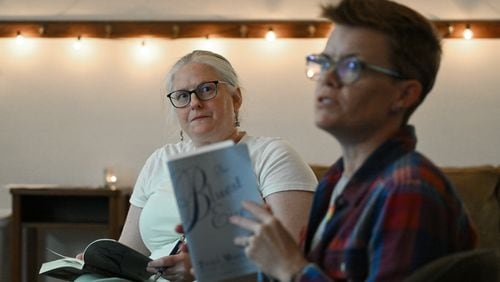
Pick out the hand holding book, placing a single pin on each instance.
(269, 240)
(209, 186)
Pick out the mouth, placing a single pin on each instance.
(199, 117)
(324, 101)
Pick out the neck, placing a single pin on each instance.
(235, 136)
(354, 154)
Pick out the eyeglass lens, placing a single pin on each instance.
(347, 69)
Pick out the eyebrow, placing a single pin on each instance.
(191, 89)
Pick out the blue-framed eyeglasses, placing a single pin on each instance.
(204, 92)
(347, 69)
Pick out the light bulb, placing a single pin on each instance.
(77, 45)
(19, 38)
(310, 73)
(451, 29)
(468, 34)
(270, 35)
(143, 49)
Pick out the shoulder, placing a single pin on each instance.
(272, 150)
(278, 166)
(169, 150)
(414, 174)
(156, 163)
(262, 144)
(415, 167)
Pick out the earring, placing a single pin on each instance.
(182, 136)
(236, 121)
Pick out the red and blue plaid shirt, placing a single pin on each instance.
(397, 213)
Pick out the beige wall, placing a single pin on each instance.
(66, 115)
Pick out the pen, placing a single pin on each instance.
(177, 246)
(174, 251)
(158, 273)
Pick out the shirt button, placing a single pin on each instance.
(342, 266)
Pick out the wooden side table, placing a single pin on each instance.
(37, 209)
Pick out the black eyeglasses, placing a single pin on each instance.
(204, 91)
(347, 69)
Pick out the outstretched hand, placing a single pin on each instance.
(270, 247)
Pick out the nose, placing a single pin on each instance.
(330, 78)
(195, 101)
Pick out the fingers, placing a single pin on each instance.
(171, 267)
(184, 248)
(261, 212)
(242, 241)
(179, 229)
(245, 223)
(164, 262)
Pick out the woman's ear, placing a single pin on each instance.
(237, 99)
(409, 96)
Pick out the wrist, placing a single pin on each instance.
(295, 272)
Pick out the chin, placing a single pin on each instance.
(322, 126)
(325, 122)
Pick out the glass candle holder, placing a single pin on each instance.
(110, 179)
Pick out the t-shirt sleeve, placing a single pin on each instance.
(280, 168)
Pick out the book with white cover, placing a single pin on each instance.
(209, 186)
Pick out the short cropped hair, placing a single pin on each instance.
(414, 42)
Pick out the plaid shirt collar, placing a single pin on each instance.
(402, 142)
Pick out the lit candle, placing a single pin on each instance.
(110, 179)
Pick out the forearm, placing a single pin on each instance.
(130, 235)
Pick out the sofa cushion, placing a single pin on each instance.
(476, 265)
(319, 170)
(479, 189)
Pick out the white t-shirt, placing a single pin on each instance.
(277, 168)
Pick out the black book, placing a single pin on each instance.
(105, 257)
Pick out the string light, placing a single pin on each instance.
(243, 31)
(143, 50)
(451, 29)
(468, 34)
(143, 45)
(109, 29)
(188, 29)
(270, 35)
(19, 38)
(311, 29)
(175, 31)
(77, 45)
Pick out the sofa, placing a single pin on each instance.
(479, 188)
